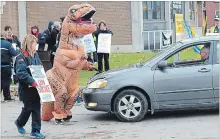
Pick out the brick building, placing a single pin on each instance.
(22, 15)
(137, 25)
(210, 9)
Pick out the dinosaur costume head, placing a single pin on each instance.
(81, 15)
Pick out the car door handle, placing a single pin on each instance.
(204, 70)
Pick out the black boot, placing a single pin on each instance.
(58, 121)
(67, 119)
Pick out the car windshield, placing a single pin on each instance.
(170, 47)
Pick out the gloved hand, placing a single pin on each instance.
(34, 84)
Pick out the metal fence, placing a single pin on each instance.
(157, 40)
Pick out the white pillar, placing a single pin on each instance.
(168, 15)
(137, 26)
(22, 20)
(187, 12)
(196, 12)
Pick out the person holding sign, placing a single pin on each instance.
(27, 88)
(101, 31)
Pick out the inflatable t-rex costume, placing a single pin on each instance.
(69, 60)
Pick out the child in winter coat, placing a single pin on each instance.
(27, 88)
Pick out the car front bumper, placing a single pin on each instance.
(97, 99)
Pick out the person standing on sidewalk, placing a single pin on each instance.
(28, 92)
(54, 49)
(102, 29)
(44, 39)
(54, 35)
(11, 37)
(35, 31)
(216, 27)
(7, 52)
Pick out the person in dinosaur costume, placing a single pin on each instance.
(69, 60)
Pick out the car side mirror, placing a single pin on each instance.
(162, 64)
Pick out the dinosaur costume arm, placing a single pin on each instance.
(67, 62)
(88, 66)
(72, 64)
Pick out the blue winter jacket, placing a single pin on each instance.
(7, 52)
(23, 73)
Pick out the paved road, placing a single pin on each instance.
(99, 125)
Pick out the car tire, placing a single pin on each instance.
(130, 106)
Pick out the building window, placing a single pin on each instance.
(177, 7)
(217, 12)
(154, 10)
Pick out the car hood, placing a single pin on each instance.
(114, 72)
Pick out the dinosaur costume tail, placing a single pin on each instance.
(64, 102)
(48, 107)
(55, 109)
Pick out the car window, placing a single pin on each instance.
(168, 48)
(190, 55)
(218, 51)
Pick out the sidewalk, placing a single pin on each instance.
(16, 86)
(101, 125)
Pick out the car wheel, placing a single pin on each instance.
(130, 106)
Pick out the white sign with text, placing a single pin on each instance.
(104, 43)
(43, 88)
(88, 43)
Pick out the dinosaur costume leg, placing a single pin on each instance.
(71, 101)
(59, 104)
(47, 109)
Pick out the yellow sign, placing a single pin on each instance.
(179, 23)
(204, 26)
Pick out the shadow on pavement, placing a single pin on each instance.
(182, 114)
(161, 115)
(105, 117)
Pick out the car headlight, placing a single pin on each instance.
(100, 83)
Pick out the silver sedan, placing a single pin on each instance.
(177, 78)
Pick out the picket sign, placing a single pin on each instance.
(43, 88)
(88, 42)
(104, 43)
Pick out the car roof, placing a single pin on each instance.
(203, 38)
